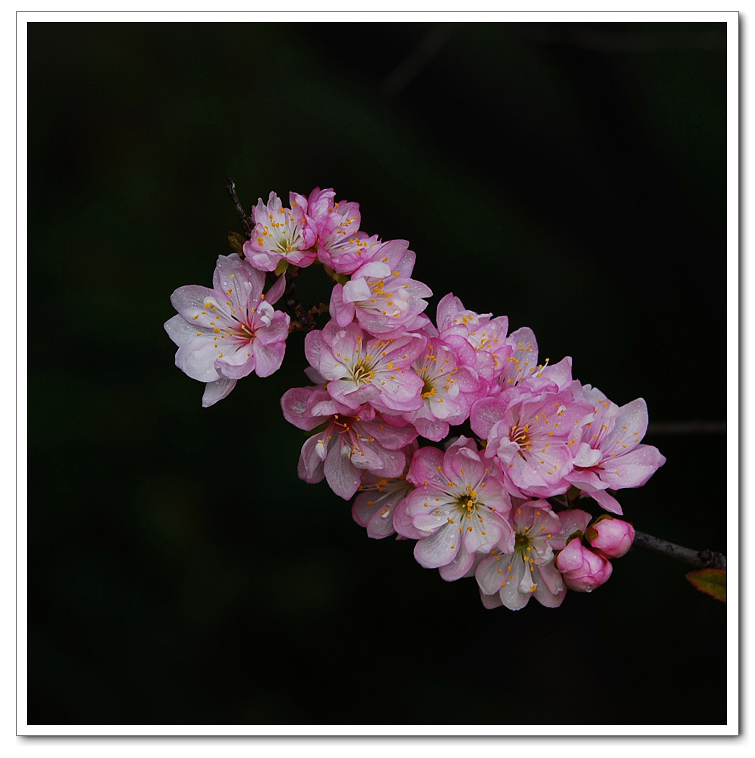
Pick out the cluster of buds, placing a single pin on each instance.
(389, 390)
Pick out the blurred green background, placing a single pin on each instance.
(570, 176)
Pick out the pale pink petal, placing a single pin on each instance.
(403, 524)
(439, 548)
(606, 501)
(217, 390)
(424, 468)
(239, 282)
(277, 331)
(310, 467)
(276, 291)
(458, 567)
(632, 469)
(268, 358)
(356, 289)
(180, 330)
(197, 359)
(341, 475)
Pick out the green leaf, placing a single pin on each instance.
(281, 267)
(710, 581)
(237, 242)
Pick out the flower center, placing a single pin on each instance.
(243, 331)
(362, 371)
(427, 387)
(520, 436)
(522, 542)
(467, 504)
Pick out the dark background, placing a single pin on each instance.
(570, 176)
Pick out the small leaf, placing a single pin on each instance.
(282, 267)
(237, 243)
(710, 581)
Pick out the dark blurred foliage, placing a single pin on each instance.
(571, 176)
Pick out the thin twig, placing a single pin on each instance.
(698, 558)
(245, 220)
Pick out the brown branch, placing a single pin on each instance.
(698, 558)
(246, 221)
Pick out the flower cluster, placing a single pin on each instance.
(389, 390)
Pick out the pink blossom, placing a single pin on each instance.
(582, 569)
(530, 435)
(448, 391)
(611, 536)
(226, 333)
(340, 244)
(343, 447)
(460, 507)
(360, 370)
(527, 571)
(381, 294)
(608, 452)
(485, 335)
(374, 505)
(521, 359)
(281, 234)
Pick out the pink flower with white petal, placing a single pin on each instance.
(226, 333)
(378, 496)
(448, 391)
(510, 578)
(281, 234)
(340, 244)
(361, 370)
(608, 452)
(486, 335)
(381, 294)
(460, 506)
(343, 447)
(531, 435)
(521, 360)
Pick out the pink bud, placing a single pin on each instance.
(612, 536)
(583, 570)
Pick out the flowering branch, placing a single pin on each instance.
(701, 559)
(389, 382)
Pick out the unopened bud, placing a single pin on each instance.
(583, 570)
(612, 536)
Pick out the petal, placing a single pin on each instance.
(633, 468)
(197, 359)
(341, 312)
(180, 330)
(424, 468)
(310, 466)
(276, 291)
(217, 390)
(294, 406)
(190, 301)
(458, 567)
(402, 523)
(606, 501)
(439, 548)
(489, 573)
(485, 413)
(586, 457)
(342, 476)
(277, 331)
(356, 289)
(268, 358)
(238, 282)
